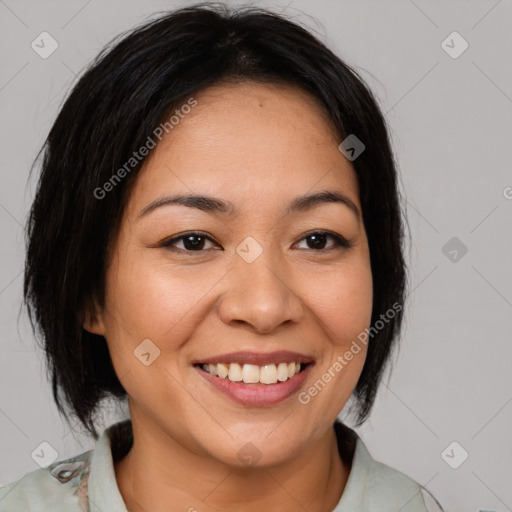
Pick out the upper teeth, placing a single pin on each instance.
(252, 374)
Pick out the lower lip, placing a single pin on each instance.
(257, 394)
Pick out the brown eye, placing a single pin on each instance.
(317, 241)
(191, 242)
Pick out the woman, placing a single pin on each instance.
(217, 238)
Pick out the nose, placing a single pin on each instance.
(259, 295)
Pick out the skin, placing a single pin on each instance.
(258, 146)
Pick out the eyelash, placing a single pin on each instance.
(340, 242)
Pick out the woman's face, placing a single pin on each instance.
(260, 279)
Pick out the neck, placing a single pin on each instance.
(160, 474)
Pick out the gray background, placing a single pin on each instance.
(451, 125)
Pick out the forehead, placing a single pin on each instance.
(249, 143)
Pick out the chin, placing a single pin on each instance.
(258, 451)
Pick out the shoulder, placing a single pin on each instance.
(388, 485)
(62, 486)
(373, 485)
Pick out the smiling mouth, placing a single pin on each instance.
(254, 374)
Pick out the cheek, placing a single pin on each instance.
(152, 313)
(156, 302)
(343, 305)
(343, 301)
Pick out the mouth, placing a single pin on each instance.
(254, 374)
(256, 379)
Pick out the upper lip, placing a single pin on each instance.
(257, 358)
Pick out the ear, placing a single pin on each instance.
(93, 318)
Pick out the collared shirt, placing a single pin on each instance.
(87, 482)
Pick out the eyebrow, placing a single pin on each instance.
(218, 206)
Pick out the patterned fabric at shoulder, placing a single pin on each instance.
(59, 487)
(76, 471)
